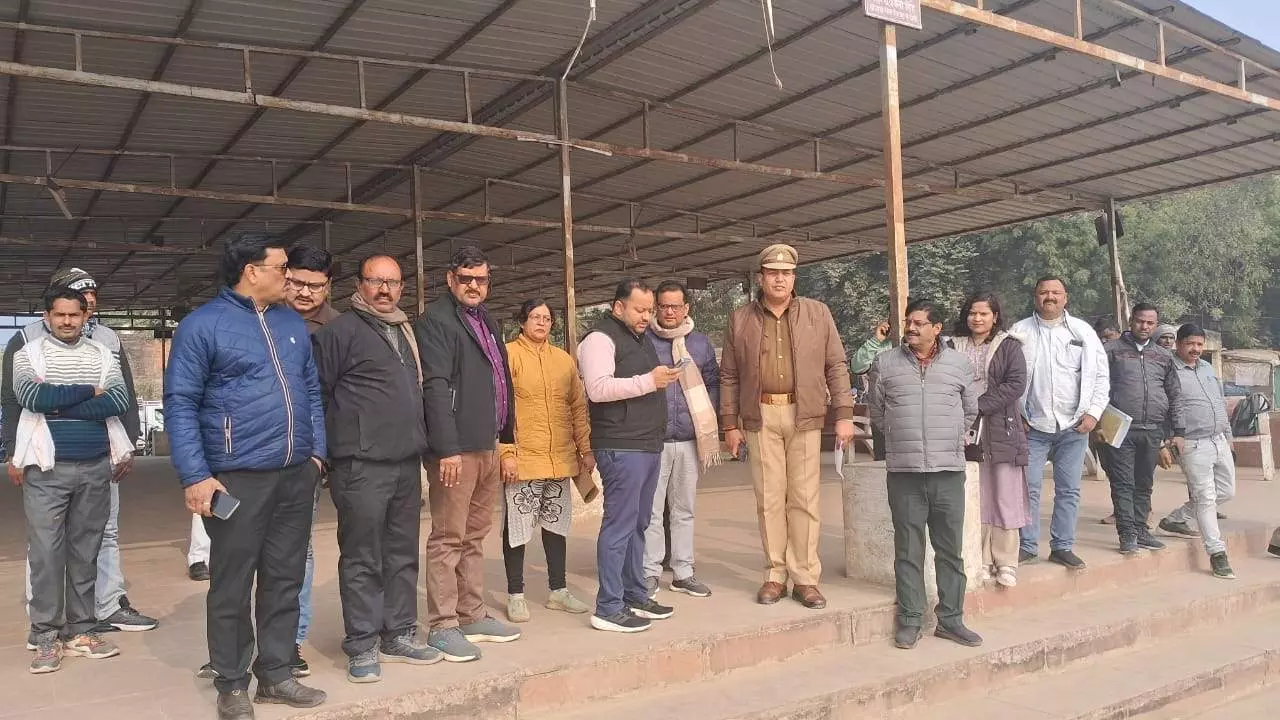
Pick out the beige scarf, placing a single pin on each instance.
(395, 318)
(695, 394)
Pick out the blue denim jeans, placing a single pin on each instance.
(630, 482)
(1066, 449)
(304, 596)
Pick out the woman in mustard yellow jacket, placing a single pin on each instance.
(553, 445)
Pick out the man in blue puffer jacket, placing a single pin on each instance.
(243, 410)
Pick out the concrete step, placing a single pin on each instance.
(700, 644)
(1068, 635)
(1262, 704)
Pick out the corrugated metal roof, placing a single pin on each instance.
(994, 106)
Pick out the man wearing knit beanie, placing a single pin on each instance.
(113, 609)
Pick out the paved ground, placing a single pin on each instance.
(153, 678)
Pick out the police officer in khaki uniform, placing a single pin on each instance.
(783, 365)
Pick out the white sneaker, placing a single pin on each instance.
(1007, 576)
(518, 608)
(564, 601)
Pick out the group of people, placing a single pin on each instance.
(271, 395)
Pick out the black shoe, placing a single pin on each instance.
(234, 705)
(1221, 568)
(206, 672)
(1067, 559)
(906, 637)
(1129, 545)
(621, 622)
(1027, 558)
(198, 572)
(958, 633)
(1145, 540)
(297, 665)
(651, 610)
(291, 693)
(1178, 529)
(128, 619)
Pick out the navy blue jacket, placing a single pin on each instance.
(241, 390)
(679, 422)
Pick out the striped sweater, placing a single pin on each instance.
(65, 395)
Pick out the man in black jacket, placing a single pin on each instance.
(370, 379)
(1144, 384)
(469, 405)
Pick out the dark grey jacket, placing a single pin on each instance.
(923, 411)
(372, 399)
(1144, 383)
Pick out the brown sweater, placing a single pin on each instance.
(821, 371)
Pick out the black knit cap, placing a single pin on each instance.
(73, 278)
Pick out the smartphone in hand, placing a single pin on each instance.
(683, 362)
(223, 505)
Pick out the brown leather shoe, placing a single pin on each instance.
(808, 596)
(771, 592)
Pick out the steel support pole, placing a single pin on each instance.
(1119, 295)
(415, 189)
(566, 219)
(894, 214)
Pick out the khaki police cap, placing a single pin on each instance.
(778, 257)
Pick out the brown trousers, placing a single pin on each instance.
(786, 468)
(460, 519)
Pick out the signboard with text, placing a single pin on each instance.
(898, 12)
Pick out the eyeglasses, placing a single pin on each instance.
(314, 287)
(540, 318)
(264, 266)
(478, 280)
(379, 282)
(671, 308)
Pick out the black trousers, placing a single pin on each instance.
(1132, 471)
(379, 516)
(266, 538)
(933, 500)
(554, 546)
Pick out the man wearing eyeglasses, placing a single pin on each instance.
(243, 408)
(371, 381)
(469, 405)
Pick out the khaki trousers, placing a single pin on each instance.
(1000, 546)
(460, 519)
(786, 465)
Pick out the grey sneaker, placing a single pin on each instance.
(91, 646)
(364, 668)
(407, 648)
(691, 586)
(651, 587)
(1221, 568)
(130, 620)
(564, 601)
(453, 645)
(48, 656)
(489, 630)
(1180, 529)
(1147, 541)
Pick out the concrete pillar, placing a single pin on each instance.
(868, 529)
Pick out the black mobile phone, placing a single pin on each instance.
(223, 505)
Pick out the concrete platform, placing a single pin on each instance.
(559, 661)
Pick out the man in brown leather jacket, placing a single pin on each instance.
(783, 365)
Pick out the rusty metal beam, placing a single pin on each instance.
(11, 100)
(345, 16)
(184, 25)
(895, 218)
(1098, 52)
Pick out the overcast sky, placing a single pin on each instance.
(1259, 19)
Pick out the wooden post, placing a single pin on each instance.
(1119, 296)
(895, 221)
(566, 219)
(415, 189)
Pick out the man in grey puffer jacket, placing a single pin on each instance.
(923, 400)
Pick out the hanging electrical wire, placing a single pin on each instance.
(591, 18)
(770, 35)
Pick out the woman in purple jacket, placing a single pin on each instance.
(1000, 371)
